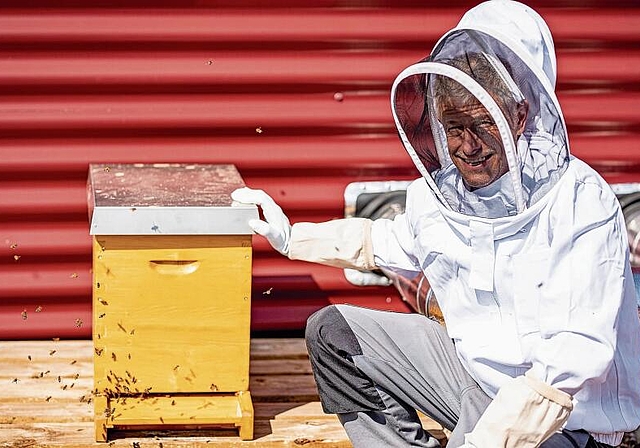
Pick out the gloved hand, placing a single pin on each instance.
(524, 413)
(276, 229)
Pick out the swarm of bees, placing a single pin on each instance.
(58, 378)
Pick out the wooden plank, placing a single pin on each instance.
(261, 348)
(18, 351)
(230, 410)
(262, 387)
(47, 389)
(275, 387)
(282, 367)
(28, 412)
(63, 367)
(23, 412)
(287, 348)
(70, 435)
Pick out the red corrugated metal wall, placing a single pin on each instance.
(294, 93)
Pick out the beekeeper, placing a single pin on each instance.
(524, 246)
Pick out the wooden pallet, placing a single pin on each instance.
(46, 394)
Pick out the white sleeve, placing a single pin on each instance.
(393, 243)
(589, 271)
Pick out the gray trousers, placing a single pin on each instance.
(376, 368)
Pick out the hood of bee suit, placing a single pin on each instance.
(480, 119)
(500, 58)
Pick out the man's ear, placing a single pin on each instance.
(522, 111)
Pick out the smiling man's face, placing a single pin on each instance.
(474, 142)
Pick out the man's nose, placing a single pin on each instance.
(471, 143)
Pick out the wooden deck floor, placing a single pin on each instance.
(46, 388)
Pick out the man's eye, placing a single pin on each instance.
(455, 130)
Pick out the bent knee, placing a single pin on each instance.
(317, 324)
(317, 319)
(327, 331)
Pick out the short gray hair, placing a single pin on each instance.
(482, 70)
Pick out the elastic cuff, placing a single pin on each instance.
(549, 392)
(367, 246)
(613, 439)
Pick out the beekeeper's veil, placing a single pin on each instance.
(501, 58)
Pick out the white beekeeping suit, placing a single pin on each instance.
(531, 268)
(531, 271)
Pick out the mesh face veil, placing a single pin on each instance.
(482, 124)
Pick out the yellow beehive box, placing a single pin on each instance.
(171, 297)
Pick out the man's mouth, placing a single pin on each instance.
(476, 161)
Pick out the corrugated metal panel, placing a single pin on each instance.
(296, 97)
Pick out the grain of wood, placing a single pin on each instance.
(286, 407)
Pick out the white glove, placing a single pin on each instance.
(276, 229)
(524, 413)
